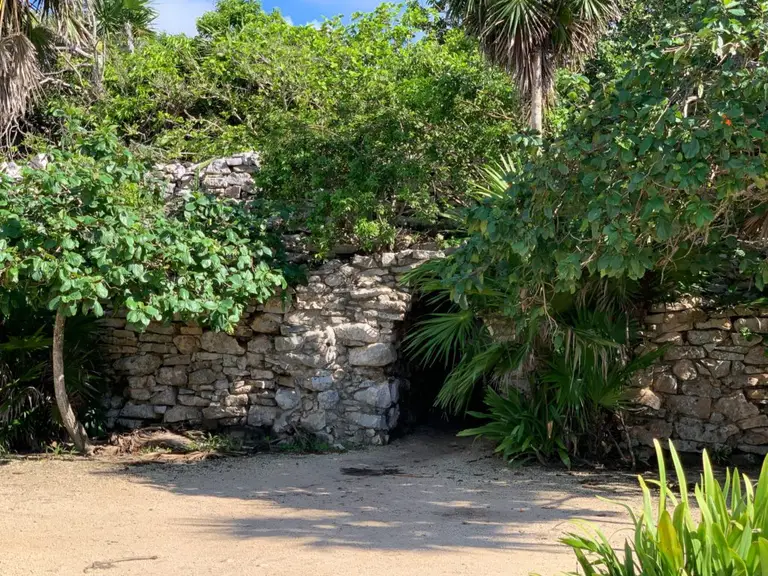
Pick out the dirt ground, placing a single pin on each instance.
(449, 509)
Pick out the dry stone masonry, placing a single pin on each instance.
(711, 387)
(230, 177)
(321, 361)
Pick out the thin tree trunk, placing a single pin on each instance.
(74, 428)
(537, 92)
(129, 38)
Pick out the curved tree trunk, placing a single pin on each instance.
(537, 91)
(74, 428)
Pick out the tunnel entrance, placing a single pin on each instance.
(421, 384)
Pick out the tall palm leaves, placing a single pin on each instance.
(31, 29)
(532, 38)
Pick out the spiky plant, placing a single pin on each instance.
(532, 38)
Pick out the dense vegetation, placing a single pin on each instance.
(657, 185)
(364, 128)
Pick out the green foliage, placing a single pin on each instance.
(28, 417)
(662, 175)
(363, 127)
(91, 231)
(717, 529)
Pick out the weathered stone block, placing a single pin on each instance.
(684, 353)
(715, 368)
(219, 412)
(685, 370)
(379, 396)
(715, 323)
(373, 355)
(690, 429)
(172, 376)
(182, 414)
(699, 337)
(288, 343)
(736, 407)
(314, 421)
(138, 411)
(266, 324)
(221, 343)
(287, 398)
(359, 332)
(204, 376)
(262, 415)
(139, 365)
(759, 421)
(690, 406)
(165, 396)
(756, 356)
(328, 399)
(703, 387)
(187, 344)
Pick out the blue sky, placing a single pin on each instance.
(177, 16)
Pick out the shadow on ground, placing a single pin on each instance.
(446, 494)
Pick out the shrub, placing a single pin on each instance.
(717, 529)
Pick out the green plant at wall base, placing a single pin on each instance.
(91, 231)
(714, 530)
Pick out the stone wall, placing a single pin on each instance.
(230, 177)
(711, 387)
(322, 362)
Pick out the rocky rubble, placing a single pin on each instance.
(711, 387)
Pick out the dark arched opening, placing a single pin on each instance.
(421, 384)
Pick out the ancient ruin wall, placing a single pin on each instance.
(321, 363)
(710, 390)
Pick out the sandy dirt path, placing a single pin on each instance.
(451, 511)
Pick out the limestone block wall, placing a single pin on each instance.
(322, 362)
(230, 177)
(711, 387)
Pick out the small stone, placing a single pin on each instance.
(645, 397)
(690, 406)
(704, 387)
(190, 400)
(288, 343)
(724, 355)
(756, 356)
(758, 395)
(699, 337)
(328, 399)
(736, 407)
(357, 332)
(138, 411)
(315, 421)
(266, 324)
(221, 342)
(172, 376)
(684, 352)
(376, 395)
(182, 414)
(236, 400)
(669, 338)
(177, 360)
(287, 398)
(690, 429)
(139, 365)
(262, 415)
(369, 421)
(165, 396)
(714, 323)
(219, 412)
(656, 430)
(685, 370)
(373, 355)
(187, 344)
(277, 305)
(715, 368)
(759, 421)
(204, 376)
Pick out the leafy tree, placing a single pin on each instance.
(659, 186)
(127, 18)
(89, 232)
(532, 38)
(364, 128)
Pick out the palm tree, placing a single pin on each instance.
(532, 38)
(127, 17)
(28, 32)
